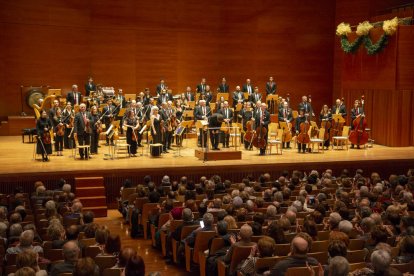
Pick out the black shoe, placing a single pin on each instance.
(82, 158)
(352, 146)
(358, 147)
(107, 144)
(99, 146)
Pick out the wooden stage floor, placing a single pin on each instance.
(17, 157)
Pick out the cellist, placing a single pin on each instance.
(262, 119)
(325, 118)
(246, 114)
(302, 118)
(285, 115)
(356, 111)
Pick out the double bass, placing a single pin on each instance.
(358, 136)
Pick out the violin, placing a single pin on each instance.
(60, 129)
(303, 136)
(358, 135)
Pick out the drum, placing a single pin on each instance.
(155, 150)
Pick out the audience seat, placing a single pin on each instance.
(216, 244)
(239, 253)
(356, 256)
(104, 262)
(200, 245)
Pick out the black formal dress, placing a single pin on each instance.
(68, 141)
(132, 138)
(44, 145)
(156, 137)
(227, 114)
(82, 128)
(90, 86)
(214, 133)
(326, 118)
(95, 133)
(58, 136)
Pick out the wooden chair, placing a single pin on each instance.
(162, 219)
(319, 246)
(282, 249)
(185, 231)
(277, 142)
(235, 134)
(340, 140)
(104, 262)
(323, 235)
(138, 204)
(216, 244)
(11, 259)
(239, 253)
(10, 269)
(322, 257)
(126, 192)
(256, 238)
(301, 271)
(289, 237)
(53, 254)
(163, 236)
(67, 221)
(92, 251)
(403, 268)
(356, 256)
(263, 264)
(66, 274)
(201, 244)
(75, 150)
(112, 272)
(356, 266)
(318, 141)
(355, 244)
(147, 209)
(88, 242)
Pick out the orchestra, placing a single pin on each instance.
(84, 116)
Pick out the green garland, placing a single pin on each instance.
(350, 47)
(373, 49)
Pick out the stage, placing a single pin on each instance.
(19, 168)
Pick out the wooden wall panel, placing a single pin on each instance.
(405, 58)
(132, 44)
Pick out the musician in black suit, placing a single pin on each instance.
(74, 96)
(202, 86)
(262, 118)
(256, 96)
(271, 87)
(147, 97)
(189, 95)
(306, 106)
(120, 99)
(202, 112)
(215, 122)
(228, 119)
(248, 87)
(208, 95)
(223, 87)
(110, 112)
(95, 127)
(339, 108)
(166, 113)
(356, 111)
(238, 96)
(89, 86)
(285, 115)
(161, 86)
(82, 130)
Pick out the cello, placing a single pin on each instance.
(303, 136)
(358, 135)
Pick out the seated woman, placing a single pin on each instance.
(265, 248)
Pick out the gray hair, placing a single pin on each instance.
(334, 219)
(3, 229)
(246, 232)
(71, 251)
(66, 188)
(278, 196)
(26, 238)
(367, 223)
(187, 214)
(345, 226)
(15, 229)
(380, 260)
(338, 266)
(208, 219)
(298, 205)
(237, 202)
(271, 211)
(250, 205)
(50, 205)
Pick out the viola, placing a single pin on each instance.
(60, 130)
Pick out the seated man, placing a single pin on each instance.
(71, 255)
(298, 256)
(208, 220)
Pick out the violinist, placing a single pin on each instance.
(59, 131)
(220, 104)
(302, 118)
(69, 116)
(156, 125)
(82, 130)
(96, 127)
(325, 118)
(165, 117)
(262, 119)
(110, 113)
(339, 108)
(132, 124)
(285, 115)
(214, 122)
(170, 127)
(44, 143)
(228, 119)
(179, 111)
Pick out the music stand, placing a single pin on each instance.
(191, 104)
(224, 95)
(188, 114)
(179, 133)
(110, 133)
(130, 97)
(212, 106)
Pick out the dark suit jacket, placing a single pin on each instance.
(342, 110)
(245, 88)
(163, 98)
(354, 112)
(200, 88)
(198, 113)
(121, 100)
(254, 99)
(213, 121)
(266, 119)
(307, 107)
(79, 124)
(191, 98)
(208, 97)
(107, 118)
(236, 97)
(70, 98)
(230, 114)
(271, 88)
(89, 88)
(62, 268)
(281, 115)
(224, 88)
(158, 89)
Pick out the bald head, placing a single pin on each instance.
(299, 246)
(70, 251)
(246, 232)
